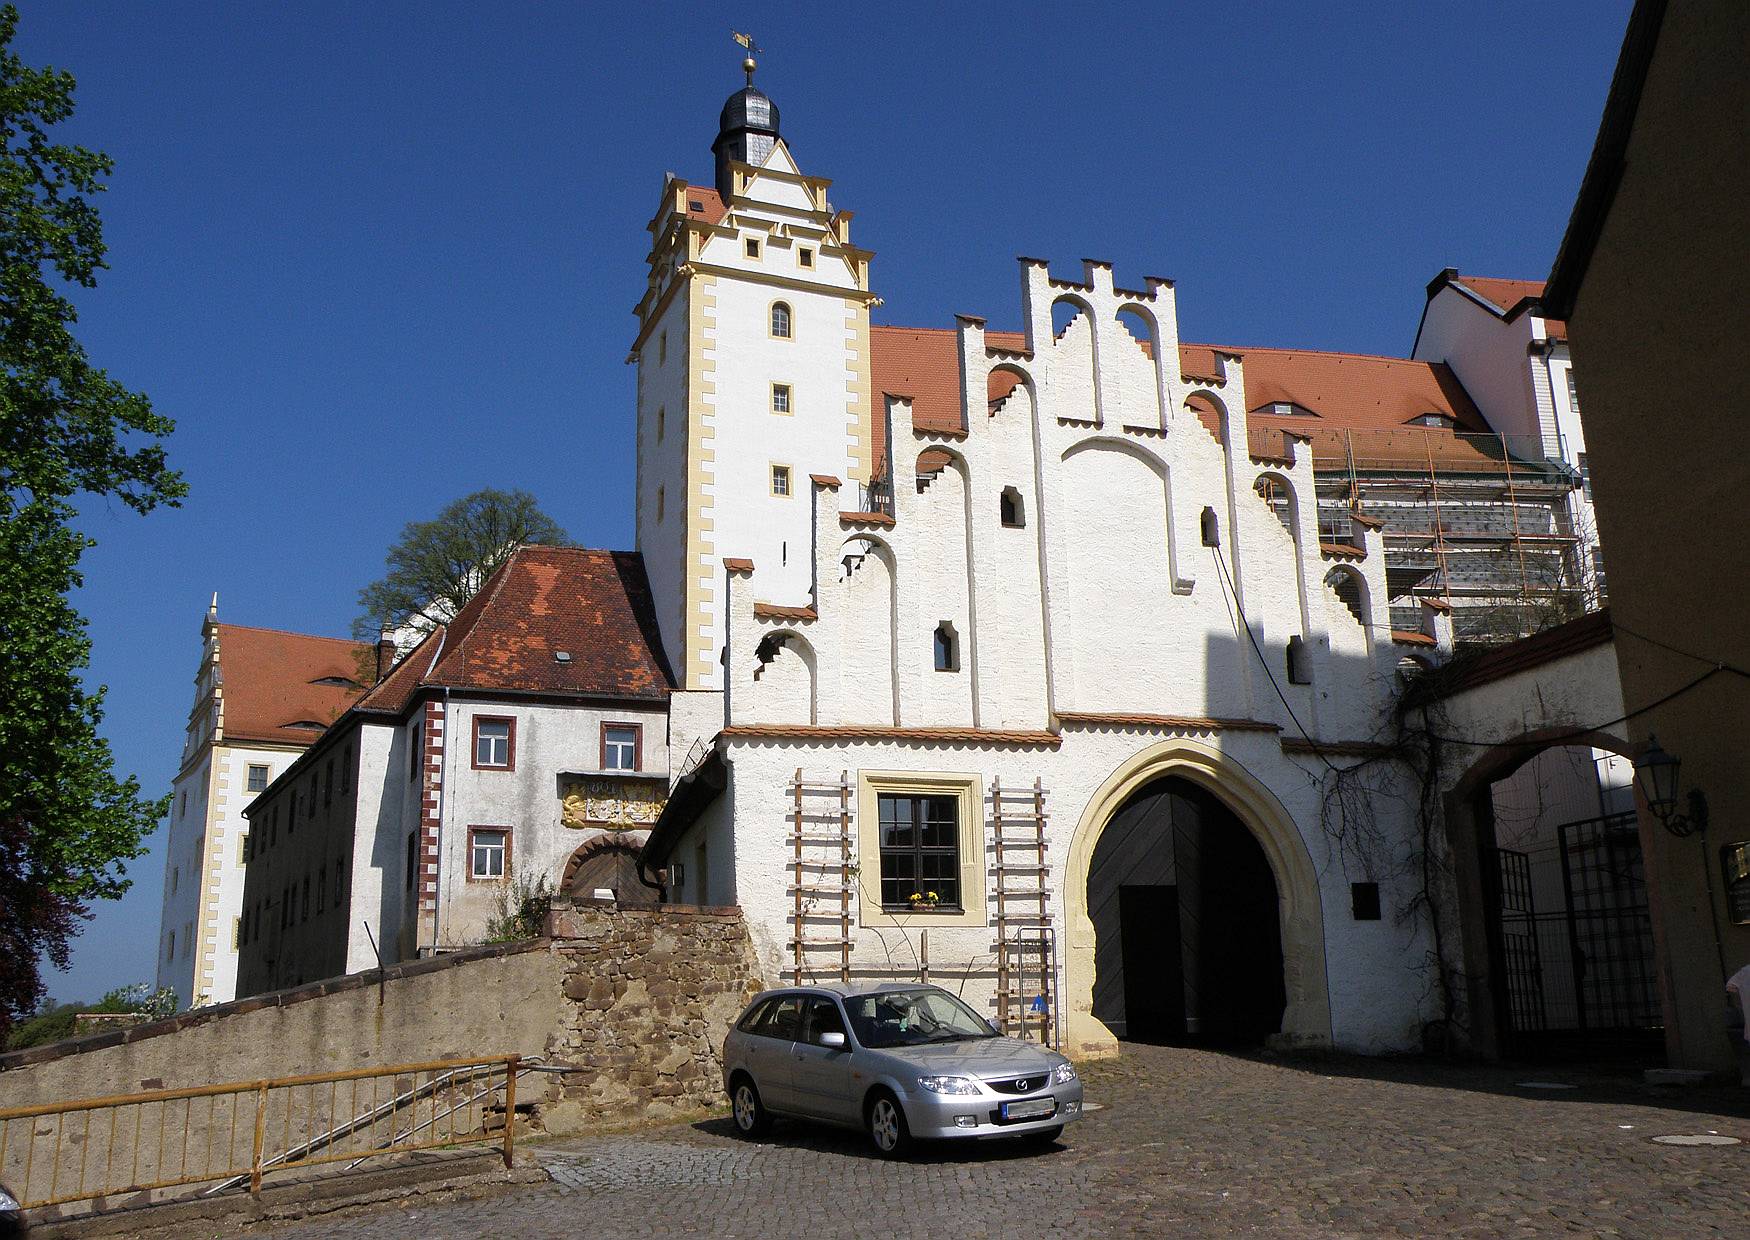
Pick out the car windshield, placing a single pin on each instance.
(913, 1018)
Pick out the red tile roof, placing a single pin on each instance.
(269, 680)
(593, 605)
(1509, 298)
(1349, 392)
(710, 206)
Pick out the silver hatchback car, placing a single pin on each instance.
(900, 1061)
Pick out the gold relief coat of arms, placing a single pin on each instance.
(592, 802)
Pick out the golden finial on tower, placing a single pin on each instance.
(753, 49)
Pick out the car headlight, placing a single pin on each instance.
(1064, 1072)
(949, 1084)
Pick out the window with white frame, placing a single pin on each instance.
(781, 320)
(486, 849)
(781, 480)
(620, 747)
(493, 743)
(780, 398)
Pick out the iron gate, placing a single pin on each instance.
(1575, 937)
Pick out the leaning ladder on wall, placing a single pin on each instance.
(820, 869)
(1023, 910)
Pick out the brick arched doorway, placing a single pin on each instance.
(608, 862)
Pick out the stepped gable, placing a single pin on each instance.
(1349, 392)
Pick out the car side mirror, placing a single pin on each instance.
(833, 1041)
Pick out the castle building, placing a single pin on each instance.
(1028, 660)
(1060, 665)
(521, 747)
(261, 698)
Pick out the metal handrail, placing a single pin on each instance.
(73, 1144)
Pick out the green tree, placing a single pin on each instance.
(67, 822)
(436, 566)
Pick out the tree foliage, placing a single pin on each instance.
(436, 566)
(67, 823)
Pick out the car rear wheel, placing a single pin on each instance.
(887, 1127)
(751, 1119)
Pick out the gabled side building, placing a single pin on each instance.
(525, 740)
(262, 697)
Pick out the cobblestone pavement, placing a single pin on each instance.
(1185, 1143)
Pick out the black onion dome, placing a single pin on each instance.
(746, 132)
(749, 108)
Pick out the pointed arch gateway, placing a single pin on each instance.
(1225, 798)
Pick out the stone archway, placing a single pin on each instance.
(1306, 1018)
(610, 862)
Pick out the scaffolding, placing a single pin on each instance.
(1485, 523)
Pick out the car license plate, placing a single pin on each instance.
(1033, 1108)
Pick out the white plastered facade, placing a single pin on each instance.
(1099, 643)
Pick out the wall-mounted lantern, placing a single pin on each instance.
(1656, 772)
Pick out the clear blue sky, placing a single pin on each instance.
(372, 257)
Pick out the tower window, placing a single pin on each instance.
(781, 480)
(780, 398)
(947, 648)
(753, 247)
(781, 320)
(804, 257)
(1009, 507)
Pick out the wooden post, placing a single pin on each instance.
(797, 865)
(510, 1070)
(844, 876)
(996, 818)
(260, 1139)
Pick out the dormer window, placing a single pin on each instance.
(1440, 421)
(338, 682)
(1285, 409)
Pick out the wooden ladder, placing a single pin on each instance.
(820, 870)
(1019, 871)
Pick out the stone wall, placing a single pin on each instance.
(636, 1001)
(650, 995)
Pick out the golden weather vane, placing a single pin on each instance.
(753, 49)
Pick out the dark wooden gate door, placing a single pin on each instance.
(615, 869)
(1154, 973)
(1187, 940)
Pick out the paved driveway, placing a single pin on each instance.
(1186, 1143)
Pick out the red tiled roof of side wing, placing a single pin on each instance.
(1505, 296)
(269, 680)
(593, 605)
(1350, 392)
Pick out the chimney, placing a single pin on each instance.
(385, 654)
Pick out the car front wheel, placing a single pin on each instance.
(887, 1127)
(751, 1119)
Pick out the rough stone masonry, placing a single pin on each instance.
(651, 995)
